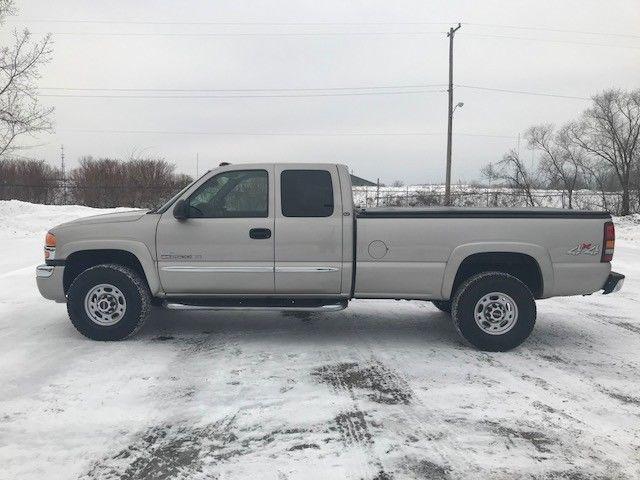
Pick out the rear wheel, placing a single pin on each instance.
(108, 302)
(443, 305)
(494, 311)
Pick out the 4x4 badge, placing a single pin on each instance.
(585, 249)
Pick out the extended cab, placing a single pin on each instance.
(287, 237)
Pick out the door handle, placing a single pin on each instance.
(260, 233)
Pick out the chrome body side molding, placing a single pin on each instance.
(305, 269)
(256, 269)
(203, 269)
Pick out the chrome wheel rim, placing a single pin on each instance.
(496, 313)
(105, 304)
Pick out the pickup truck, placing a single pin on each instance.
(287, 237)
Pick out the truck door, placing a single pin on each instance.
(308, 226)
(226, 244)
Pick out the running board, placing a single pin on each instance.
(258, 304)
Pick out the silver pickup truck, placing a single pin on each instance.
(287, 237)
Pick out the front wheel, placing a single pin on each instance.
(108, 302)
(494, 311)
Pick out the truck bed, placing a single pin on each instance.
(416, 252)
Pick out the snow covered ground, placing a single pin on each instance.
(383, 390)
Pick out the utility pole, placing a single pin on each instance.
(447, 191)
(64, 176)
(197, 165)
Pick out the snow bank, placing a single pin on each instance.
(20, 219)
(23, 226)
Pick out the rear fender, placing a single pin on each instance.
(460, 253)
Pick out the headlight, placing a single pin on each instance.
(50, 246)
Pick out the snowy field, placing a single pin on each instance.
(383, 390)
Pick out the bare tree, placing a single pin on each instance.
(512, 172)
(599, 176)
(561, 161)
(29, 180)
(610, 132)
(397, 183)
(149, 180)
(20, 111)
(138, 182)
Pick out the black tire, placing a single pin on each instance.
(442, 305)
(134, 290)
(472, 291)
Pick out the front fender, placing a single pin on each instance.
(460, 253)
(139, 249)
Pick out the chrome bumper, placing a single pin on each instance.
(50, 282)
(613, 284)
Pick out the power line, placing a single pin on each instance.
(306, 24)
(556, 30)
(204, 23)
(282, 134)
(240, 34)
(415, 89)
(294, 89)
(523, 92)
(308, 95)
(547, 40)
(320, 34)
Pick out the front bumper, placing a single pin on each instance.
(613, 284)
(50, 282)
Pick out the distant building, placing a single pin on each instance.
(361, 182)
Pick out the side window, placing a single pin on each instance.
(235, 194)
(306, 193)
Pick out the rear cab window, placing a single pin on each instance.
(306, 193)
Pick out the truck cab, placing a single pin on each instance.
(265, 229)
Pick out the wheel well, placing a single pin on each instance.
(78, 262)
(522, 266)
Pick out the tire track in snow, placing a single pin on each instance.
(577, 437)
(403, 405)
(410, 418)
(352, 423)
(522, 431)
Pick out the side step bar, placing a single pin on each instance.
(258, 304)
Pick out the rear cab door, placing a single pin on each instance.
(309, 249)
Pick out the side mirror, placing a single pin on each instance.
(181, 210)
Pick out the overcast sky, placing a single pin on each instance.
(273, 46)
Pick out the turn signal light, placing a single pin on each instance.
(609, 242)
(49, 246)
(50, 240)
